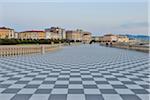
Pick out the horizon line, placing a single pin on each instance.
(74, 1)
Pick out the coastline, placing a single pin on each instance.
(139, 48)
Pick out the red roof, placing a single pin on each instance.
(34, 31)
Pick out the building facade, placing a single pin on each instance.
(96, 38)
(110, 38)
(86, 37)
(55, 33)
(122, 38)
(6, 33)
(113, 38)
(16, 35)
(74, 35)
(34, 34)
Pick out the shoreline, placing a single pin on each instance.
(130, 47)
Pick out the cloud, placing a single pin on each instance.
(134, 25)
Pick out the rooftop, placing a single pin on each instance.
(6, 28)
(33, 31)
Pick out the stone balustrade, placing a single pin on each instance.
(13, 50)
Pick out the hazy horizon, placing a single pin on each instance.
(96, 17)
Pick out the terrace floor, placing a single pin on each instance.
(85, 72)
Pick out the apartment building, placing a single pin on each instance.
(33, 34)
(6, 33)
(86, 37)
(122, 38)
(55, 33)
(110, 38)
(74, 35)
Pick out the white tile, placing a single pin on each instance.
(35, 82)
(92, 91)
(77, 86)
(112, 97)
(8, 82)
(62, 82)
(6, 96)
(133, 86)
(39, 97)
(59, 91)
(2, 89)
(124, 91)
(27, 91)
(144, 96)
(103, 86)
(50, 79)
(115, 82)
(88, 82)
(17, 86)
(75, 97)
(46, 86)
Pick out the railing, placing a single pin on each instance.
(129, 46)
(14, 50)
(134, 47)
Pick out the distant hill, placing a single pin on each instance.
(139, 37)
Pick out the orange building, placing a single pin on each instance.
(6, 33)
(33, 34)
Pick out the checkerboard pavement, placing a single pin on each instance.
(86, 72)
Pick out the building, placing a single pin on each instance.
(55, 33)
(110, 38)
(122, 38)
(96, 38)
(86, 37)
(33, 34)
(114, 38)
(74, 35)
(16, 35)
(6, 33)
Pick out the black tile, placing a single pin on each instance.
(61, 86)
(101, 82)
(48, 82)
(75, 91)
(130, 97)
(43, 91)
(108, 91)
(75, 82)
(21, 97)
(119, 86)
(4, 85)
(58, 97)
(93, 97)
(90, 86)
(140, 91)
(22, 82)
(14, 91)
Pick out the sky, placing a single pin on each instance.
(96, 16)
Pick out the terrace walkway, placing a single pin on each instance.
(85, 72)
